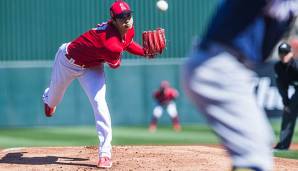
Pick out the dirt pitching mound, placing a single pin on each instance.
(168, 158)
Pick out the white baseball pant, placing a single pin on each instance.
(92, 80)
(171, 109)
(223, 90)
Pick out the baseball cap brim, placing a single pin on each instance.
(124, 14)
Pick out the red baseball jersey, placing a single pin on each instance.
(103, 44)
(165, 95)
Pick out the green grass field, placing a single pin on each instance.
(86, 135)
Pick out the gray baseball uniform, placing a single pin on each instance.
(219, 75)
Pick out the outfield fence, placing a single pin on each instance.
(34, 29)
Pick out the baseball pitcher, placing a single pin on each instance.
(219, 76)
(83, 59)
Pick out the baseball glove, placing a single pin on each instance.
(154, 42)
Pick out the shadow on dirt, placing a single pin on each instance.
(17, 158)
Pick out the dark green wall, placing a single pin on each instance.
(129, 96)
(33, 29)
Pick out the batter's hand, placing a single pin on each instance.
(154, 42)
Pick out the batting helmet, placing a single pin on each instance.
(284, 49)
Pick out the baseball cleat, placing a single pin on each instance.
(48, 110)
(104, 162)
(177, 127)
(152, 128)
(280, 147)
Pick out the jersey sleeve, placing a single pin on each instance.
(114, 48)
(135, 49)
(156, 94)
(175, 92)
(112, 44)
(169, 94)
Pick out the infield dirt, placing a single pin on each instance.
(169, 158)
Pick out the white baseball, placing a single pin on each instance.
(162, 5)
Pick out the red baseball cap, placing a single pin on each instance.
(119, 9)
